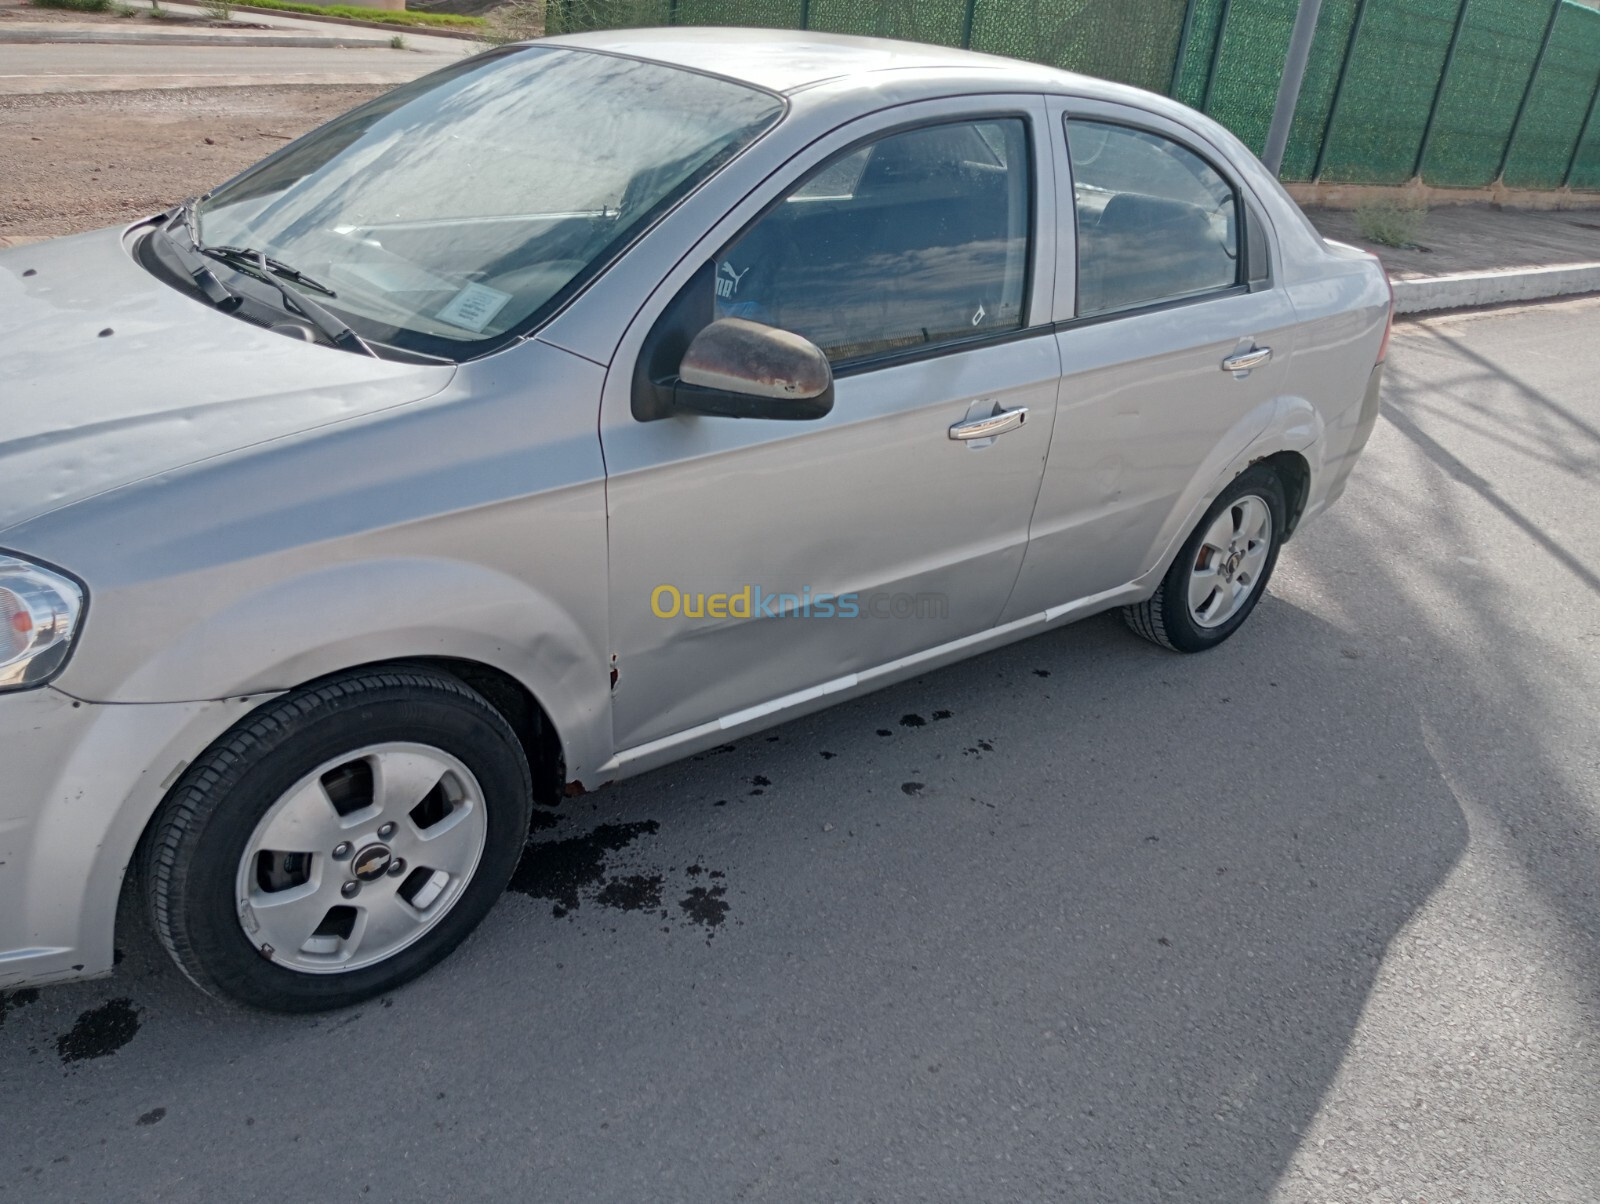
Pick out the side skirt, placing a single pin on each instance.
(644, 757)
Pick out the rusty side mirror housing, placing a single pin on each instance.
(735, 368)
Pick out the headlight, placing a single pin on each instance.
(39, 612)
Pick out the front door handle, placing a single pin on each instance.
(1247, 360)
(997, 423)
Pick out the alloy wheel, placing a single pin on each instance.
(360, 858)
(1228, 566)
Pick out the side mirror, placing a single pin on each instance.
(739, 369)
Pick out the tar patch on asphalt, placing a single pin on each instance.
(565, 870)
(579, 870)
(705, 906)
(100, 1031)
(14, 1001)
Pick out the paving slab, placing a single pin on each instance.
(1477, 238)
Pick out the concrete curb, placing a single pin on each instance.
(1467, 289)
(120, 37)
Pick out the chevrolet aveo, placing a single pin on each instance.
(588, 403)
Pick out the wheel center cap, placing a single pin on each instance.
(1231, 565)
(372, 862)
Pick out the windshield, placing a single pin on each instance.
(453, 211)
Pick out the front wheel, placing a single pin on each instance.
(1221, 571)
(339, 841)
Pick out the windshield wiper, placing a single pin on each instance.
(219, 294)
(286, 280)
(265, 263)
(290, 282)
(339, 334)
(258, 266)
(297, 302)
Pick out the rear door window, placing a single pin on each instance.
(1155, 221)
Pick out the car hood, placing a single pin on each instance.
(109, 376)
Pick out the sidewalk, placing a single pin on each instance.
(54, 53)
(40, 69)
(416, 37)
(25, 26)
(1478, 255)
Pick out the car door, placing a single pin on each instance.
(1174, 343)
(756, 563)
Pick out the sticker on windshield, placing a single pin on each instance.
(474, 307)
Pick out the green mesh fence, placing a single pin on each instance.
(1206, 19)
(1585, 171)
(1479, 101)
(1390, 80)
(773, 14)
(1245, 84)
(1130, 41)
(941, 22)
(1543, 142)
(1384, 93)
(1316, 90)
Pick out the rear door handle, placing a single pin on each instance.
(997, 423)
(1247, 360)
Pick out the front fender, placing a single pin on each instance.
(334, 617)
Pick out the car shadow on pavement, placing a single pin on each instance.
(1078, 919)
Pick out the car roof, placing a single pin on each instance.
(788, 60)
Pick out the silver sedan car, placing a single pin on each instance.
(588, 403)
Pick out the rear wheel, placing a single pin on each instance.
(339, 841)
(1221, 571)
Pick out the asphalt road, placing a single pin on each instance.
(71, 67)
(1312, 917)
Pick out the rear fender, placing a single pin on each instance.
(1283, 424)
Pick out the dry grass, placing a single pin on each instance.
(1391, 223)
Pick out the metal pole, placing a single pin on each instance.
(1538, 62)
(966, 26)
(1216, 55)
(672, 12)
(1583, 132)
(1338, 87)
(1183, 47)
(805, 14)
(1444, 74)
(1294, 74)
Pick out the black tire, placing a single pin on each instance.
(193, 850)
(1164, 617)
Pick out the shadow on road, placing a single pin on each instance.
(1077, 920)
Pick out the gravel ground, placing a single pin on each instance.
(80, 160)
(21, 10)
